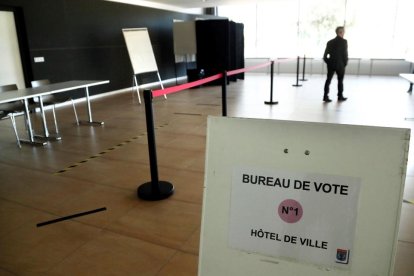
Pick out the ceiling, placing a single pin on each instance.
(200, 3)
(186, 4)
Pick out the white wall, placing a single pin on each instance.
(11, 67)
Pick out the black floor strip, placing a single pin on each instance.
(70, 217)
(191, 114)
(209, 104)
(106, 151)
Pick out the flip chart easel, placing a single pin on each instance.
(141, 54)
(369, 160)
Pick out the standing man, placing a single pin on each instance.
(336, 59)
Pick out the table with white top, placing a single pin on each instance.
(53, 88)
(410, 78)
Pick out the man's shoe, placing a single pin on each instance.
(342, 99)
(327, 100)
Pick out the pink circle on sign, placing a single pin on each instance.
(290, 211)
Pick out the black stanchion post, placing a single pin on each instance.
(155, 189)
(297, 74)
(271, 83)
(224, 94)
(303, 70)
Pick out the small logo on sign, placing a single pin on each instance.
(342, 256)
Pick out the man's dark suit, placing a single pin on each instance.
(336, 58)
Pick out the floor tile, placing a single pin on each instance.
(42, 191)
(104, 165)
(116, 201)
(13, 216)
(107, 171)
(168, 222)
(404, 265)
(182, 264)
(406, 230)
(188, 185)
(192, 245)
(31, 250)
(4, 272)
(113, 254)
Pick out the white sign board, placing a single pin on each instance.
(185, 41)
(140, 50)
(300, 198)
(274, 213)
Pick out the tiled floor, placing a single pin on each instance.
(103, 166)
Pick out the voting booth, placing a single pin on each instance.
(301, 198)
(217, 43)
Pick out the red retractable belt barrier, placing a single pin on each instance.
(169, 90)
(177, 88)
(250, 68)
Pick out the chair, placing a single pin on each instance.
(10, 109)
(52, 100)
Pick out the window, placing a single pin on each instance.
(318, 20)
(288, 28)
(277, 28)
(370, 27)
(403, 34)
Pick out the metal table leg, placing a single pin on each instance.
(88, 104)
(29, 127)
(46, 135)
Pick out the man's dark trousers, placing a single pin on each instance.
(340, 72)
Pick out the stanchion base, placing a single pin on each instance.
(303, 79)
(33, 143)
(145, 191)
(271, 102)
(88, 123)
(51, 137)
(297, 85)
